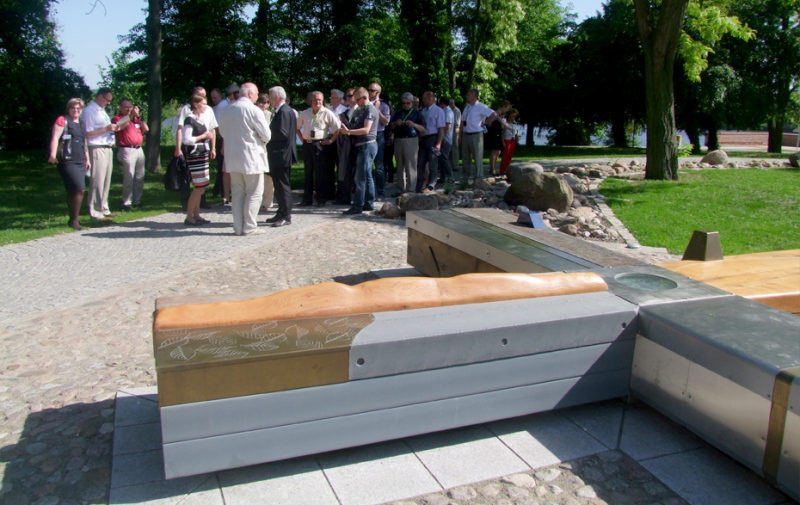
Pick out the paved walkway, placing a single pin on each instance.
(75, 326)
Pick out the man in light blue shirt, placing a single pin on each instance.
(446, 169)
(430, 145)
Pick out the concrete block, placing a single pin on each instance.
(284, 483)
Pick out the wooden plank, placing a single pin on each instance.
(437, 259)
(552, 239)
(771, 278)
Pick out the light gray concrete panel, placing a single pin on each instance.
(789, 469)
(464, 456)
(376, 473)
(706, 477)
(425, 339)
(137, 468)
(294, 482)
(131, 409)
(744, 341)
(545, 439)
(233, 415)
(646, 435)
(603, 421)
(684, 288)
(272, 444)
(137, 438)
(196, 490)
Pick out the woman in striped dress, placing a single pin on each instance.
(198, 147)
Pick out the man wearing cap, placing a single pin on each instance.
(129, 153)
(316, 123)
(100, 137)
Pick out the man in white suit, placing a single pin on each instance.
(246, 134)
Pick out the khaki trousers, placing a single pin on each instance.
(269, 192)
(132, 160)
(247, 190)
(472, 149)
(405, 152)
(102, 158)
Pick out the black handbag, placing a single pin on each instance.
(176, 172)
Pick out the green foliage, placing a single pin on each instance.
(122, 79)
(685, 150)
(35, 83)
(754, 210)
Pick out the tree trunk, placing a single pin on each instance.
(693, 132)
(712, 139)
(153, 29)
(450, 61)
(775, 142)
(660, 32)
(618, 133)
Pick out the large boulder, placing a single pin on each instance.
(540, 192)
(410, 202)
(517, 169)
(718, 157)
(794, 160)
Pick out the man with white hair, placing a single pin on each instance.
(281, 152)
(246, 132)
(408, 126)
(475, 116)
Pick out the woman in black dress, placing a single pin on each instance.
(493, 140)
(68, 150)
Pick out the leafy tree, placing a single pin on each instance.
(769, 65)
(123, 80)
(152, 147)
(660, 26)
(36, 83)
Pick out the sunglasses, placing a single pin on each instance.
(372, 90)
(348, 96)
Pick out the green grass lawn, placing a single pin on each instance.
(33, 199)
(753, 210)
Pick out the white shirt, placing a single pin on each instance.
(474, 116)
(338, 110)
(448, 118)
(315, 126)
(434, 119)
(218, 108)
(93, 118)
(208, 117)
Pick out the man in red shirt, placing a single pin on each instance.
(130, 135)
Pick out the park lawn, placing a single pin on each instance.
(33, 199)
(753, 210)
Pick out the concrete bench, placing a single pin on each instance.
(239, 395)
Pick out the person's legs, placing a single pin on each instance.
(466, 158)
(108, 159)
(369, 196)
(226, 186)
(193, 205)
(508, 153)
(380, 174)
(128, 161)
(493, 155)
(424, 156)
(454, 150)
(254, 192)
(321, 172)
(74, 201)
(411, 148)
(477, 150)
(237, 201)
(96, 186)
(363, 167)
(445, 170)
(269, 192)
(138, 177)
(308, 174)
(400, 161)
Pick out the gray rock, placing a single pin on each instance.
(574, 480)
(540, 192)
(575, 203)
(436, 499)
(586, 492)
(491, 490)
(548, 475)
(463, 493)
(579, 171)
(571, 501)
(522, 208)
(718, 157)
(518, 492)
(563, 169)
(555, 490)
(570, 229)
(391, 211)
(794, 160)
(35, 448)
(585, 212)
(481, 184)
(410, 202)
(516, 170)
(520, 479)
(541, 491)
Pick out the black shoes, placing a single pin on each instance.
(352, 211)
(281, 222)
(127, 208)
(274, 219)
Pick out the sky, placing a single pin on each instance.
(89, 31)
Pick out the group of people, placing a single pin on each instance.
(81, 144)
(254, 137)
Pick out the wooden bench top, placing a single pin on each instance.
(771, 278)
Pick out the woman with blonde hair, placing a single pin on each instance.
(68, 150)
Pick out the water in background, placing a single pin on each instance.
(540, 137)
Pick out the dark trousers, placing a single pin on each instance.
(315, 165)
(283, 189)
(426, 156)
(347, 161)
(218, 186)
